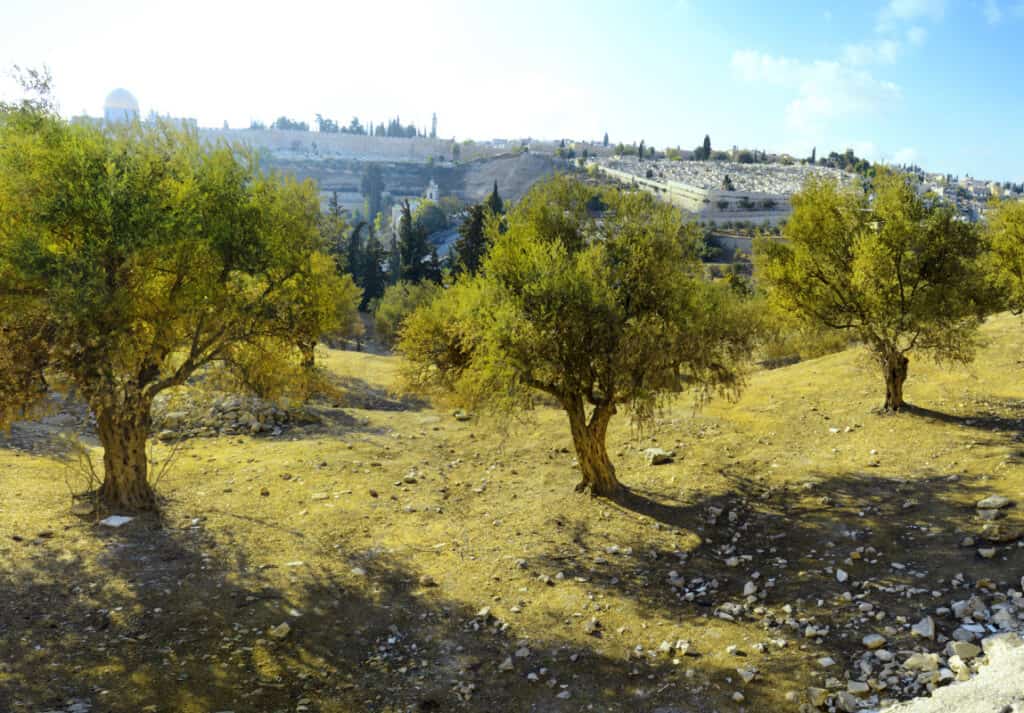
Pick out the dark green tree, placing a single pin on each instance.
(472, 242)
(605, 142)
(413, 248)
(706, 153)
(640, 151)
(814, 155)
(372, 187)
(494, 202)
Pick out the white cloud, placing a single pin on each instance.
(882, 52)
(896, 11)
(825, 90)
(993, 15)
(916, 35)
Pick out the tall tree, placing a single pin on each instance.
(433, 126)
(472, 243)
(132, 256)
(600, 313)
(706, 147)
(494, 202)
(605, 141)
(372, 188)
(412, 247)
(814, 155)
(640, 151)
(903, 277)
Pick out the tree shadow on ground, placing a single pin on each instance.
(897, 541)
(162, 617)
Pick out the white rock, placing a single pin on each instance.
(874, 641)
(924, 628)
(116, 520)
(993, 502)
(841, 576)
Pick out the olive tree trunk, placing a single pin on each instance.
(307, 349)
(894, 367)
(588, 437)
(123, 432)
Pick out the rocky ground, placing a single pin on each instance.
(790, 551)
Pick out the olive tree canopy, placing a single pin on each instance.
(600, 310)
(132, 256)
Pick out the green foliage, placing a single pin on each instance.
(398, 302)
(283, 123)
(1005, 233)
(605, 310)
(413, 247)
(494, 202)
(900, 276)
(471, 245)
(372, 188)
(132, 256)
(429, 217)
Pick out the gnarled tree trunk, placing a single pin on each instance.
(588, 437)
(894, 367)
(123, 430)
(307, 349)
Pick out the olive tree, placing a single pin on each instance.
(1005, 232)
(901, 276)
(130, 257)
(601, 311)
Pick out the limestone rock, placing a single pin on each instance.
(658, 456)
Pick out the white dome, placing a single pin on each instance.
(120, 106)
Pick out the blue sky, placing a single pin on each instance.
(936, 82)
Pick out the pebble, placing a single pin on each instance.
(874, 641)
(280, 631)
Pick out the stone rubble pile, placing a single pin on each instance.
(222, 414)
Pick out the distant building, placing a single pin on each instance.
(120, 107)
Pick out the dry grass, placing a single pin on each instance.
(172, 612)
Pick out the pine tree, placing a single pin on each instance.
(432, 271)
(494, 201)
(707, 147)
(412, 247)
(371, 272)
(605, 138)
(640, 152)
(814, 155)
(472, 242)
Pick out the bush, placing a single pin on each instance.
(398, 302)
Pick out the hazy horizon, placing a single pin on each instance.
(905, 81)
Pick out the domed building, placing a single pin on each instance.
(120, 106)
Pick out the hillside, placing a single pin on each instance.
(427, 563)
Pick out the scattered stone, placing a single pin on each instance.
(592, 626)
(281, 631)
(83, 508)
(658, 456)
(506, 665)
(987, 553)
(427, 581)
(964, 649)
(922, 662)
(461, 415)
(818, 697)
(873, 641)
(116, 521)
(841, 576)
(747, 674)
(994, 502)
(858, 688)
(319, 496)
(924, 628)
(826, 662)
